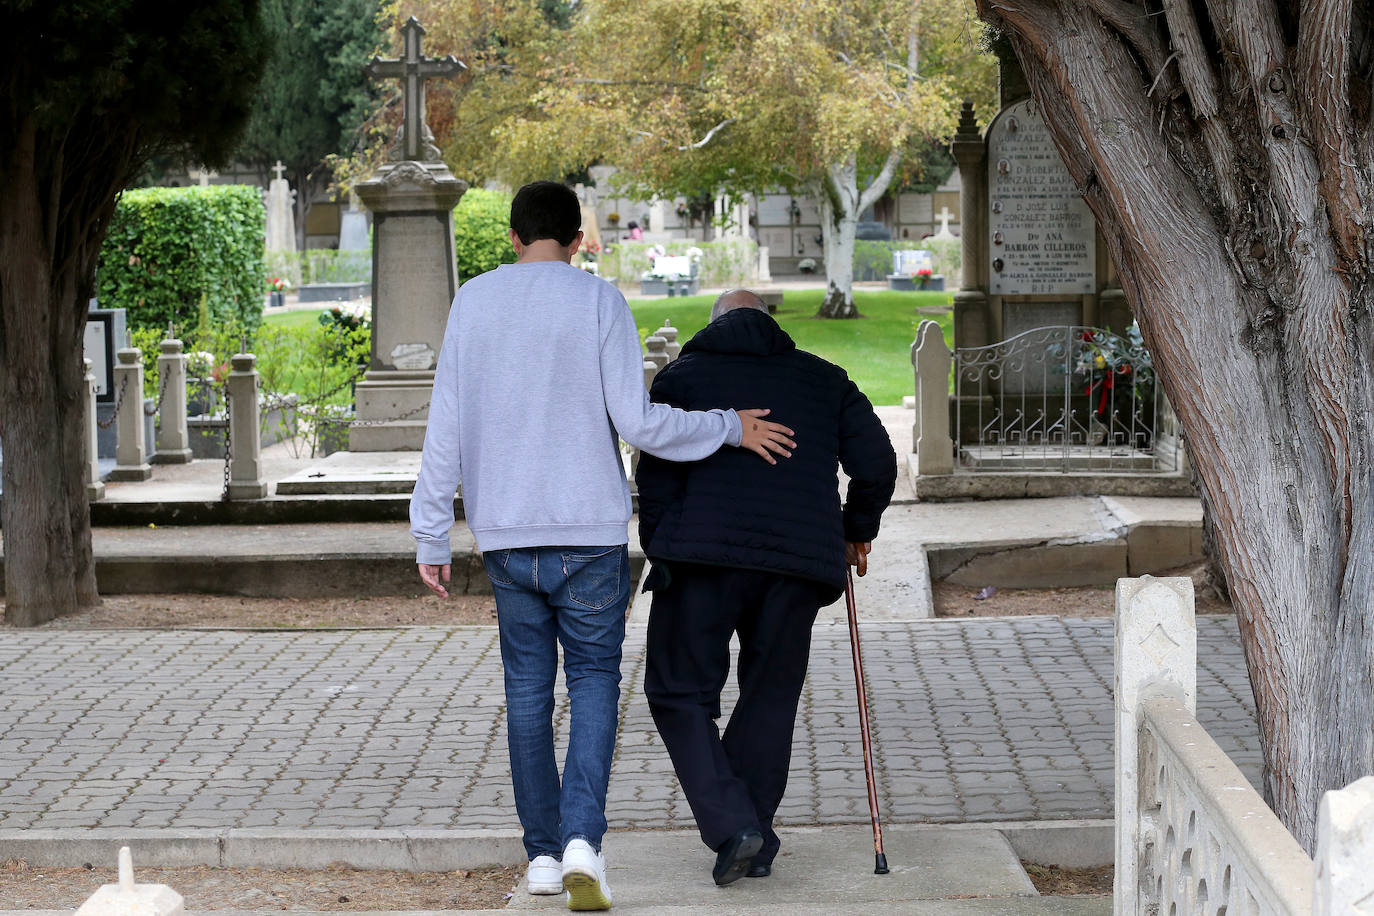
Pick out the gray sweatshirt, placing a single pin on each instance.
(540, 369)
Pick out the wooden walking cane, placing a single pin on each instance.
(879, 857)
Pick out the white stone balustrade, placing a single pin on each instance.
(94, 488)
(245, 439)
(131, 455)
(173, 440)
(930, 437)
(1192, 834)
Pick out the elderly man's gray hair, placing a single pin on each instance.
(733, 299)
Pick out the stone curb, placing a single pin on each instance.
(1068, 843)
(417, 849)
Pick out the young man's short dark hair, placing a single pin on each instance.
(546, 210)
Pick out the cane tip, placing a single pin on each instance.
(880, 864)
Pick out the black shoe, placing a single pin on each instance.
(732, 861)
(759, 869)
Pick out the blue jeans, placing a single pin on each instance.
(575, 596)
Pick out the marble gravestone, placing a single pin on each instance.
(414, 273)
(1032, 256)
(353, 227)
(281, 222)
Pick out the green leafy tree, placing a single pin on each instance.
(91, 90)
(315, 93)
(827, 97)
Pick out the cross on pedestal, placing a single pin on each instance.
(945, 217)
(413, 69)
(279, 169)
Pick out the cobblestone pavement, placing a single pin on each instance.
(1002, 719)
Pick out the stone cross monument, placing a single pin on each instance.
(281, 223)
(414, 273)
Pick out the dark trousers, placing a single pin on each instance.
(736, 782)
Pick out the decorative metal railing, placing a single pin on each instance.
(1067, 398)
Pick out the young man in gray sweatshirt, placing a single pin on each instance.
(540, 375)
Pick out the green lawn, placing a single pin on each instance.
(875, 350)
(305, 318)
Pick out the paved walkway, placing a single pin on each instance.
(983, 720)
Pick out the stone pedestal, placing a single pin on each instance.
(414, 280)
(94, 488)
(131, 454)
(173, 442)
(245, 438)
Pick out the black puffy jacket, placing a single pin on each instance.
(733, 508)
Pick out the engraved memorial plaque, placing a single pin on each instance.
(1040, 231)
(412, 286)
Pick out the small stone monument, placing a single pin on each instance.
(353, 227)
(129, 899)
(414, 273)
(281, 222)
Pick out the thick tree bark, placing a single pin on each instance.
(43, 295)
(841, 203)
(1227, 162)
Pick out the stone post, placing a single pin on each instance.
(930, 433)
(245, 440)
(1156, 654)
(1345, 848)
(669, 334)
(173, 441)
(765, 271)
(94, 488)
(131, 455)
(971, 301)
(658, 350)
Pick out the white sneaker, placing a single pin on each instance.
(584, 877)
(545, 876)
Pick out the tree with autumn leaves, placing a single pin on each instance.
(833, 98)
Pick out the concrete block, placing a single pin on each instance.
(1345, 847)
(1099, 562)
(1153, 548)
(404, 850)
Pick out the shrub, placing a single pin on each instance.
(481, 232)
(169, 248)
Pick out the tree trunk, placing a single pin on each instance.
(1244, 259)
(839, 197)
(841, 204)
(45, 518)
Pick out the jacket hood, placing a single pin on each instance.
(743, 331)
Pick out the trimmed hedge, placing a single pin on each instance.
(481, 232)
(169, 248)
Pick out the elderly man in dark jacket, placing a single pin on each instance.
(739, 546)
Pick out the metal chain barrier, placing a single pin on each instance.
(119, 401)
(228, 443)
(161, 393)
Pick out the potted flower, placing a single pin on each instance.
(923, 276)
(588, 254)
(276, 291)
